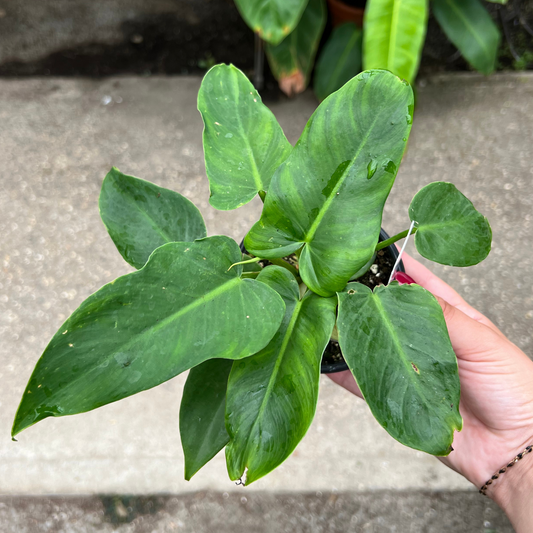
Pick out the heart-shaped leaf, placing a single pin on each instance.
(450, 230)
(243, 142)
(273, 20)
(271, 397)
(397, 347)
(328, 197)
(291, 61)
(394, 35)
(469, 27)
(182, 308)
(203, 406)
(141, 216)
(339, 61)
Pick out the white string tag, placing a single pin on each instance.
(399, 258)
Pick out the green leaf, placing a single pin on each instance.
(291, 61)
(397, 347)
(497, 1)
(141, 216)
(469, 27)
(339, 61)
(327, 198)
(273, 20)
(271, 397)
(450, 230)
(202, 424)
(243, 142)
(394, 35)
(182, 308)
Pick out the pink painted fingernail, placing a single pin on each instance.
(402, 278)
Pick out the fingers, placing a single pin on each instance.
(471, 339)
(425, 278)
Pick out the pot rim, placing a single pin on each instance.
(341, 366)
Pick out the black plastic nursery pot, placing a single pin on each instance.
(332, 360)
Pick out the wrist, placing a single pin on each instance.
(512, 492)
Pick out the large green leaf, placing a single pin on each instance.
(273, 20)
(182, 308)
(291, 61)
(328, 196)
(202, 421)
(339, 61)
(469, 27)
(450, 230)
(271, 397)
(396, 344)
(394, 35)
(141, 216)
(243, 142)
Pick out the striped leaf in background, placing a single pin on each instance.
(394, 35)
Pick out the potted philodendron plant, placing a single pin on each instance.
(252, 329)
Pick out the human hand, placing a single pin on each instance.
(496, 385)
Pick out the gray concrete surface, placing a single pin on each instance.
(60, 137)
(382, 512)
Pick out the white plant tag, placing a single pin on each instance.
(395, 267)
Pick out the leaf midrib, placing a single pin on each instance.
(468, 26)
(154, 224)
(340, 62)
(326, 205)
(211, 295)
(403, 356)
(393, 32)
(273, 376)
(255, 170)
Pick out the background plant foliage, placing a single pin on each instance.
(253, 335)
(393, 36)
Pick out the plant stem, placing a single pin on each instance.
(252, 275)
(392, 240)
(253, 260)
(287, 265)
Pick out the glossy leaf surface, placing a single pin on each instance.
(450, 230)
(203, 406)
(339, 61)
(141, 216)
(328, 196)
(182, 308)
(397, 347)
(394, 35)
(291, 61)
(273, 20)
(469, 26)
(272, 395)
(243, 142)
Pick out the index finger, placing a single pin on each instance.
(425, 278)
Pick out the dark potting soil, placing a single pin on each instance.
(378, 273)
(361, 4)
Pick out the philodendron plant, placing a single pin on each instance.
(252, 329)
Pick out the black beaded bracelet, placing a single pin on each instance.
(483, 489)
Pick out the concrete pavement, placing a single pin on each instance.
(59, 138)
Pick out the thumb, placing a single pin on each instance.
(471, 339)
